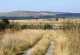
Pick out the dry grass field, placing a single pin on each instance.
(40, 42)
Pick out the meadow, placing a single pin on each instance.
(45, 41)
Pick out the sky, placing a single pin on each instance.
(40, 5)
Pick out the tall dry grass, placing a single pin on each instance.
(73, 41)
(66, 41)
(42, 46)
(16, 43)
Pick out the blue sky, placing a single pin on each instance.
(43, 5)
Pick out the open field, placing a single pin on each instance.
(38, 42)
(41, 41)
(38, 21)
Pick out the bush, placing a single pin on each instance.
(6, 21)
(4, 24)
(39, 26)
(71, 26)
(48, 26)
(15, 26)
(23, 26)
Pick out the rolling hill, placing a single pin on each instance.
(36, 14)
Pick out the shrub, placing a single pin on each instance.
(4, 24)
(48, 26)
(15, 26)
(71, 26)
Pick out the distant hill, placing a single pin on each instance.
(28, 13)
(36, 14)
(69, 15)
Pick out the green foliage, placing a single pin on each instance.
(6, 21)
(48, 26)
(15, 26)
(39, 26)
(4, 24)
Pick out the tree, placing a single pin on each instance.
(6, 21)
(4, 24)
